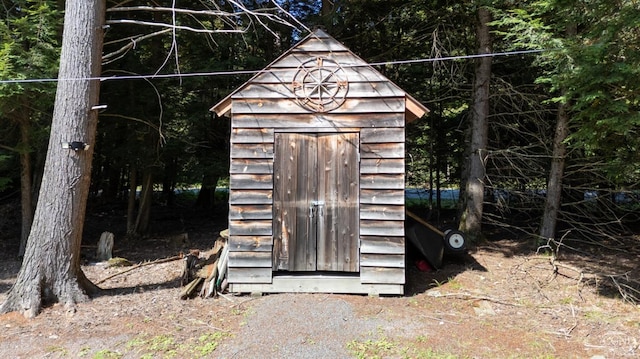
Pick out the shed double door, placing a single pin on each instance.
(316, 189)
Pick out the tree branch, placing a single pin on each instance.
(139, 265)
(178, 27)
(11, 149)
(108, 58)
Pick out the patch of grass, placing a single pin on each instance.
(136, 342)
(61, 351)
(107, 354)
(245, 314)
(383, 347)
(166, 346)
(566, 300)
(310, 341)
(597, 315)
(451, 282)
(84, 351)
(454, 283)
(208, 343)
(161, 343)
(429, 354)
(371, 349)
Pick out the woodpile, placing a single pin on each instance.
(204, 273)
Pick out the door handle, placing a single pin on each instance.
(317, 208)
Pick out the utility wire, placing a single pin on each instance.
(253, 72)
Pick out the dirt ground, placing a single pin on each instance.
(502, 300)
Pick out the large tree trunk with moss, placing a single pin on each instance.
(51, 269)
(471, 218)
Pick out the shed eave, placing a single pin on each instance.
(222, 108)
(414, 109)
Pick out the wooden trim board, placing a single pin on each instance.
(317, 284)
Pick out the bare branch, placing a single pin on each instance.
(179, 27)
(133, 40)
(267, 14)
(8, 148)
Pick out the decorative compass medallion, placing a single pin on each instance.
(320, 85)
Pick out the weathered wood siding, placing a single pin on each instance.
(250, 205)
(382, 213)
(373, 116)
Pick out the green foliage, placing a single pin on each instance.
(604, 89)
(30, 37)
(591, 63)
(30, 33)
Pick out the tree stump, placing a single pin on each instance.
(105, 247)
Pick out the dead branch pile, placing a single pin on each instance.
(205, 272)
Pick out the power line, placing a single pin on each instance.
(254, 72)
(461, 57)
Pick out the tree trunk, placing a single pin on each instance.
(131, 202)
(327, 8)
(554, 187)
(51, 270)
(144, 208)
(471, 218)
(556, 172)
(169, 182)
(207, 194)
(26, 183)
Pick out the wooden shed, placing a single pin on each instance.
(316, 193)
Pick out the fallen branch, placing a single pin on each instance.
(469, 296)
(139, 265)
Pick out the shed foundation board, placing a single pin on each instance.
(317, 284)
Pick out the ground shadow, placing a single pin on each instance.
(173, 283)
(419, 281)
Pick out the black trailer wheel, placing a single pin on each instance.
(454, 240)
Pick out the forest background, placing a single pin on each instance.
(534, 106)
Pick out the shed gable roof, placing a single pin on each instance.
(275, 80)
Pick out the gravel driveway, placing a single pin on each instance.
(298, 326)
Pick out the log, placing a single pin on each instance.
(190, 288)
